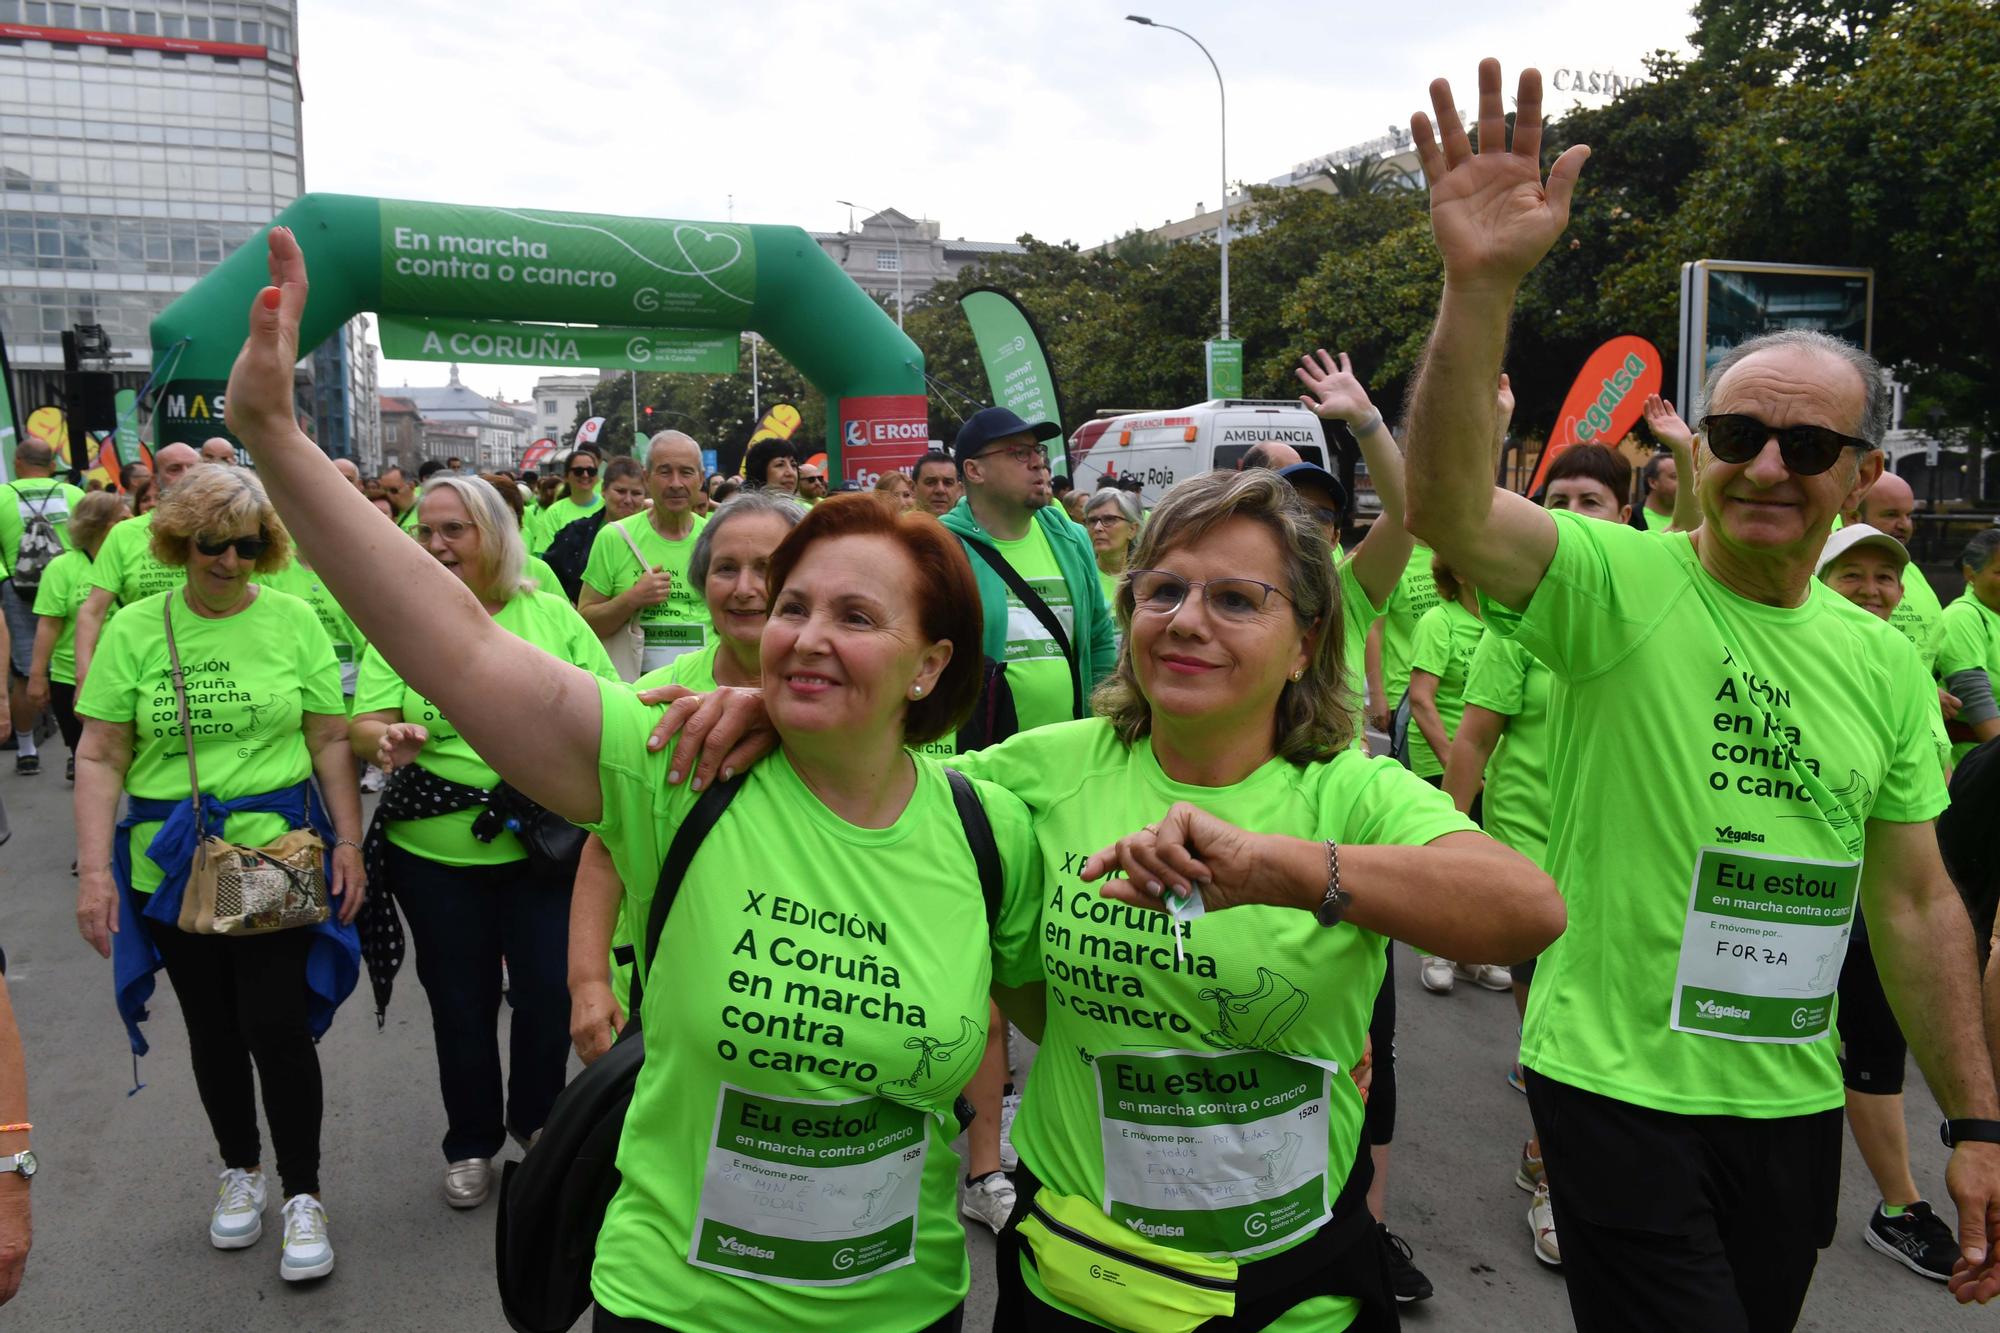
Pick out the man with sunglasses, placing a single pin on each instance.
(1679, 1050)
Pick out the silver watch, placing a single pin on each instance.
(21, 1164)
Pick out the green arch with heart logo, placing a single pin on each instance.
(456, 282)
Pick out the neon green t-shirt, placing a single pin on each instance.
(347, 640)
(543, 619)
(1443, 646)
(679, 624)
(1109, 582)
(1416, 593)
(544, 575)
(1145, 1040)
(64, 588)
(1705, 935)
(1357, 614)
(27, 497)
(1919, 615)
(125, 566)
(786, 1161)
(1654, 520)
(250, 679)
(548, 522)
(1505, 678)
(1971, 638)
(1037, 672)
(695, 671)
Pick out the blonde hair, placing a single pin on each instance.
(1314, 717)
(94, 516)
(216, 502)
(500, 544)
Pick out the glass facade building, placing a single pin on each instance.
(139, 145)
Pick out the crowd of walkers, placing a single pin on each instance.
(970, 753)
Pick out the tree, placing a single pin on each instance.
(1371, 175)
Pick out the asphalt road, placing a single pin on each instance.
(121, 1206)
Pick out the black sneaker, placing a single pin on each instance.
(1409, 1284)
(1917, 1240)
(69, 769)
(27, 764)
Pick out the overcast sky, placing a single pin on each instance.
(1054, 117)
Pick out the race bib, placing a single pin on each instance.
(1214, 1153)
(809, 1194)
(667, 640)
(1762, 948)
(1027, 637)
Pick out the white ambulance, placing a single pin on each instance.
(1161, 448)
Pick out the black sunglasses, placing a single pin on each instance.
(1807, 450)
(247, 548)
(583, 472)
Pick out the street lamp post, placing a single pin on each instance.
(1222, 230)
(897, 232)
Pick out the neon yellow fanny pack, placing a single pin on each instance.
(1113, 1274)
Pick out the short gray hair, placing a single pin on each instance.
(499, 531)
(1874, 386)
(1126, 502)
(736, 506)
(1979, 550)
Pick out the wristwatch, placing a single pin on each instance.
(1955, 1132)
(21, 1164)
(1337, 900)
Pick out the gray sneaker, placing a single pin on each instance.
(238, 1219)
(989, 1199)
(308, 1253)
(468, 1182)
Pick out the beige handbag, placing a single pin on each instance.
(626, 644)
(234, 890)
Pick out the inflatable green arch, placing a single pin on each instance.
(661, 295)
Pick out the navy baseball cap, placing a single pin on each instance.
(996, 423)
(1312, 474)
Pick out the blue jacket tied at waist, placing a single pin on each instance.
(333, 963)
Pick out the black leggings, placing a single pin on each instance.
(244, 1000)
(603, 1321)
(1378, 1121)
(62, 698)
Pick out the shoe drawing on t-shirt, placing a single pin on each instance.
(885, 1190)
(939, 1065)
(1278, 1164)
(1257, 1018)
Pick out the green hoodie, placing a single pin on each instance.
(1095, 641)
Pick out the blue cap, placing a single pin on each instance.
(996, 423)
(1314, 474)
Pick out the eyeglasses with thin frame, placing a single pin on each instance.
(247, 548)
(1155, 592)
(1807, 450)
(1104, 520)
(452, 530)
(1027, 455)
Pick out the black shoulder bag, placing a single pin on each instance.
(552, 1201)
(993, 717)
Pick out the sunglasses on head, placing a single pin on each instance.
(247, 548)
(1807, 450)
(583, 472)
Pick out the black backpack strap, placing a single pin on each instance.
(1040, 609)
(687, 841)
(979, 836)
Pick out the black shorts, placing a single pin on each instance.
(1872, 1049)
(1678, 1222)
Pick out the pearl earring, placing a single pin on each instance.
(917, 692)
(1298, 675)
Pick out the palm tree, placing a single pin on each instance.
(1371, 175)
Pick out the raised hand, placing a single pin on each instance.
(1666, 424)
(1332, 391)
(259, 400)
(1492, 214)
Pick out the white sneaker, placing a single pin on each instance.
(238, 1219)
(1435, 973)
(989, 1199)
(1542, 1224)
(308, 1253)
(1009, 1104)
(1490, 975)
(372, 779)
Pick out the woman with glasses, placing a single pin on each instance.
(624, 496)
(1112, 518)
(1218, 773)
(577, 499)
(264, 704)
(464, 881)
